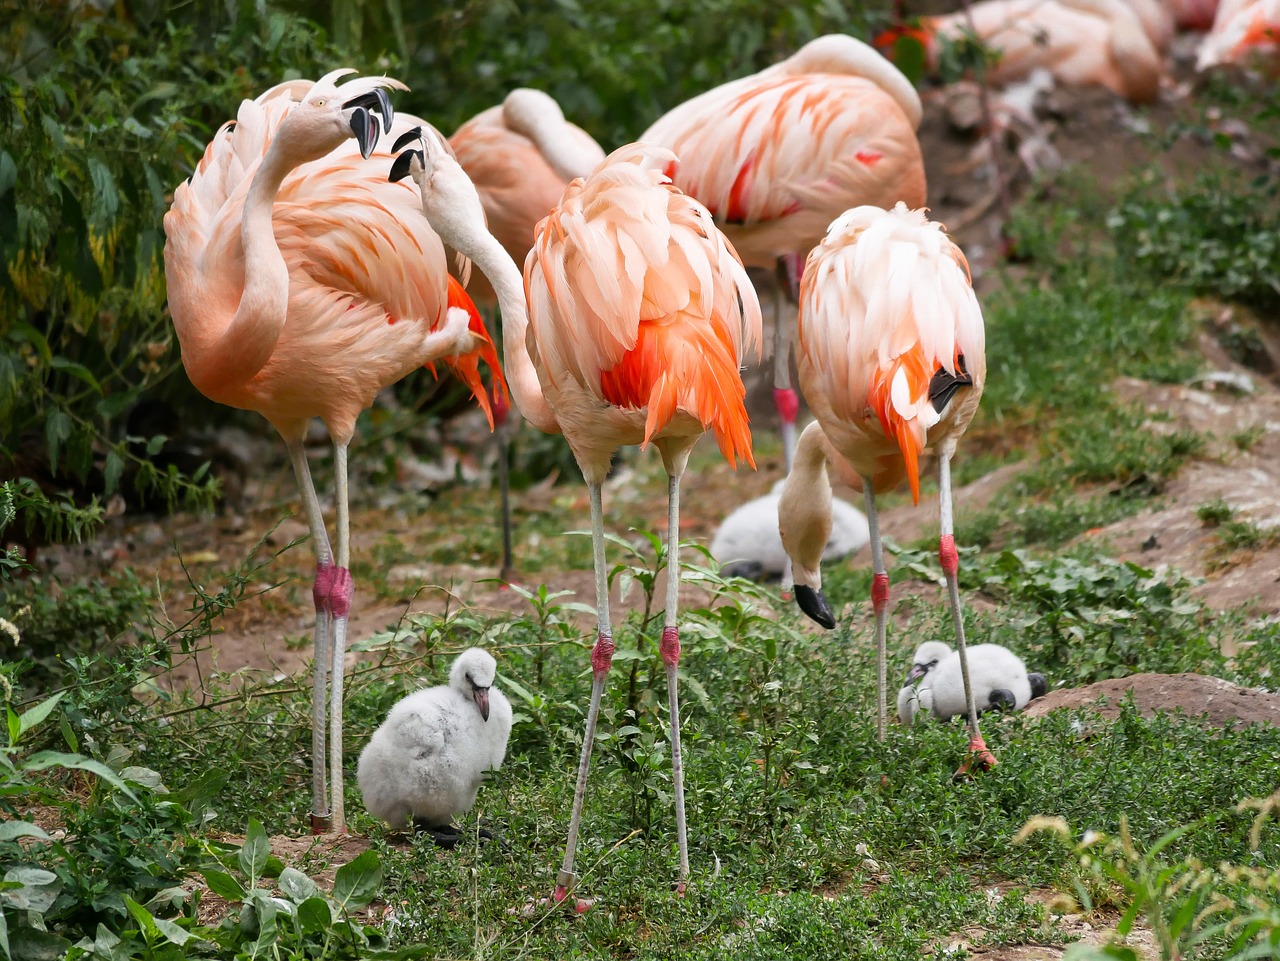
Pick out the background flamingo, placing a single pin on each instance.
(292, 296)
(520, 155)
(776, 156)
(638, 317)
(1117, 44)
(1246, 32)
(891, 360)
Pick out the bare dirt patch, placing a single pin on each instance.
(1217, 702)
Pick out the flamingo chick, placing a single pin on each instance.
(892, 361)
(291, 296)
(427, 760)
(935, 686)
(638, 317)
(747, 543)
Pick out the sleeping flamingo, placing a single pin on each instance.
(638, 316)
(778, 155)
(292, 296)
(892, 362)
(520, 155)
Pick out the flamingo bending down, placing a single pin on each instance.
(776, 156)
(892, 362)
(291, 296)
(1114, 43)
(520, 155)
(638, 317)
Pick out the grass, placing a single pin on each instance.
(807, 836)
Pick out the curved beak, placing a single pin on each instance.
(363, 125)
(814, 603)
(481, 696)
(917, 671)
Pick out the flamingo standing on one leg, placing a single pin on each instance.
(638, 317)
(520, 155)
(892, 361)
(776, 156)
(291, 296)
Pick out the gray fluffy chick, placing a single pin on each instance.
(427, 760)
(935, 686)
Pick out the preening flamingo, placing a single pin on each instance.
(1245, 32)
(776, 156)
(638, 316)
(892, 362)
(520, 155)
(1114, 43)
(293, 295)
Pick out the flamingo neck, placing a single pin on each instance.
(264, 302)
(496, 264)
(804, 508)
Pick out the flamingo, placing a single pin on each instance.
(1245, 32)
(776, 156)
(1114, 43)
(935, 687)
(892, 362)
(520, 155)
(637, 317)
(291, 296)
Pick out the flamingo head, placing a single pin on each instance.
(472, 675)
(328, 113)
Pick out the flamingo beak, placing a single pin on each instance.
(814, 603)
(917, 671)
(404, 161)
(375, 102)
(481, 696)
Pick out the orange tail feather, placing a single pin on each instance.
(902, 430)
(467, 366)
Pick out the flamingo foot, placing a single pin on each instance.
(560, 898)
(681, 888)
(321, 824)
(978, 757)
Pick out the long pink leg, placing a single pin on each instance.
(880, 601)
(670, 649)
(340, 606)
(601, 659)
(321, 590)
(950, 560)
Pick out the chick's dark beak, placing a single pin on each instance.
(917, 671)
(481, 696)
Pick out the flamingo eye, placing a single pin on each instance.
(321, 102)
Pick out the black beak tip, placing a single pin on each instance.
(365, 134)
(400, 169)
(1039, 686)
(405, 138)
(815, 605)
(384, 106)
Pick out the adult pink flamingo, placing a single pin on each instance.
(520, 155)
(292, 296)
(637, 319)
(1245, 32)
(778, 155)
(891, 360)
(1116, 44)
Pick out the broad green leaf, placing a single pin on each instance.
(79, 371)
(172, 932)
(146, 923)
(315, 915)
(21, 829)
(57, 428)
(297, 886)
(356, 882)
(255, 851)
(47, 759)
(68, 734)
(33, 716)
(32, 944)
(224, 885)
(4, 936)
(8, 173)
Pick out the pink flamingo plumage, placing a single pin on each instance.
(637, 316)
(891, 359)
(520, 155)
(777, 155)
(293, 295)
(1245, 32)
(1117, 44)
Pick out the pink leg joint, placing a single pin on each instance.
(602, 654)
(787, 401)
(880, 591)
(344, 588)
(322, 587)
(670, 646)
(947, 554)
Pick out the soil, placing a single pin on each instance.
(1091, 128)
